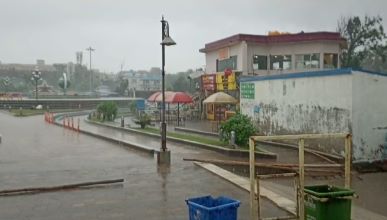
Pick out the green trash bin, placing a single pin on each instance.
(324, 202)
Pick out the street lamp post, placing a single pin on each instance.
(164, 155)
(36, 76)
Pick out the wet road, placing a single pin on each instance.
(34, 153)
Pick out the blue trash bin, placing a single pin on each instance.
(209, 208)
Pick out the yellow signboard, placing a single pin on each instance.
(226, 82)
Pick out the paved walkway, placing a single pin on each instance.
(34, 153)
(281, 195)
(370, 187)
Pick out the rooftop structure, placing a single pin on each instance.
(273, 54)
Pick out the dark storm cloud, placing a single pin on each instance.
(129, 31)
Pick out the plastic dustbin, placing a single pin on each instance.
(324, 202)
(209, 208)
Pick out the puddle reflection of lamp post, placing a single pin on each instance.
(164, 156)
(36, 76)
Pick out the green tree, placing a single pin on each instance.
(241, 125)
(376, 60)
(364, 37)
(123, 87)
(181, 84)
(107, 110)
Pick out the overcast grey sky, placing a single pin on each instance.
(129, 32)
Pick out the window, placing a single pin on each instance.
(259, 62)
(230, 63)
(330, 60)
(146, 84)
(280, 62)
(308, 61)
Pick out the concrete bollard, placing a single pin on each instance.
(232, 138)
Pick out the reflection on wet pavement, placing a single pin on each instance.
(34, 153)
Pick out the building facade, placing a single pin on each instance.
(143, 81)
(274, 54)
(328, 101)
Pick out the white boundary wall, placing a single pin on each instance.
(352, 102)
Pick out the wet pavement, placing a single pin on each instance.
(34, 153)
(370, 187)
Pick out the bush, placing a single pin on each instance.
(143, 120)
(243, 127)
(108, 110)
(133, 107)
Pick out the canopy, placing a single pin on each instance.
(172, 97)
(220, 98)
(157, 97)
(176, 97)
(153, 97)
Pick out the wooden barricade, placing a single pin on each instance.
(254, 180)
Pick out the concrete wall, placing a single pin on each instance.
(352, 102)
(302, 105)
(369, 116)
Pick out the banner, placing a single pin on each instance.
(208, 82)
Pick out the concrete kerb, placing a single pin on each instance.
(135, 146)
(189, 130)
(226, 151)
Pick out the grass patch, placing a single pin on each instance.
(188, 137)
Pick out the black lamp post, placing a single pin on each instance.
(166, 41)
(36, 76)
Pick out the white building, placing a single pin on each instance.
(273, 54)
(143, 81)
(328, 101)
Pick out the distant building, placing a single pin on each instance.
(274, 54)
(40, 62)
(28, 67)
(143, 81)
(79, 57)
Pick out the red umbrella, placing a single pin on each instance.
(176, 97)
(157, 97)
(153, 97)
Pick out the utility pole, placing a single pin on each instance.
(90, 49)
